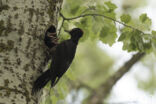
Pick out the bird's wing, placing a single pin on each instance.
(63, 57)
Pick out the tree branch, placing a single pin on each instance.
(104, 89)
(100, 15)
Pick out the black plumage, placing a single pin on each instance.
(62, 59)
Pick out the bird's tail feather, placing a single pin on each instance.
(41, 81)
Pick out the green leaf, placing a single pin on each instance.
(137, 40)
(144, 23)
(134, 40)
(143, 17)
(125, 18)
(96, 26)
(111, 5)
(143, 26)
(102, 9)
(81, 10)
(109, 10)
(110, 14)
(122, 36)
(108, 34)
(125, 37)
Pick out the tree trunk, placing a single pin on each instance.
(22, 49)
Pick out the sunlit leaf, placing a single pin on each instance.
(122, 36)
(125, 18)
(108, 34)
(143, 17)
(111, 5)
(145, 22)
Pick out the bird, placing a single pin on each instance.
(61, 60)
(50, 37)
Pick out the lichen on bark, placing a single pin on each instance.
(22, 50)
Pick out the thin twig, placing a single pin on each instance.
(85, 15)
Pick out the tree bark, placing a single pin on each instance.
(22, 50)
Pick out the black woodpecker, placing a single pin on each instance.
(62, 59)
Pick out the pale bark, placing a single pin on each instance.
(22, 50)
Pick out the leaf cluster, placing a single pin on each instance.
(98, 21)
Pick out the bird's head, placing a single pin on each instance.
(75, 33)
(51, 29)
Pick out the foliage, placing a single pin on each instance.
(136, 34)
(125, 18)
